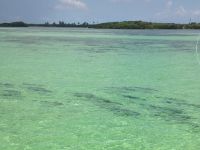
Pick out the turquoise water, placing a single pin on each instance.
(86, 89)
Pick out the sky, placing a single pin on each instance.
(39, 11)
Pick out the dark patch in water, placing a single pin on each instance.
(51, 103)
(11, 93)
(133, 89)
(195, 127)
(114, 107)
(170, 110)
(37, 88)
(94, 98)
(145, 89)
(173, 113)
(170, 113)
(124, 112)
(134, 97)
(188, 104)
(178, 102)
(30, 84)
(129, 89)
(6, 85)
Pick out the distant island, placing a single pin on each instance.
(14, 24)
(145, 25)
(109, 25)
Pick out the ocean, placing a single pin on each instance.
(95, 89)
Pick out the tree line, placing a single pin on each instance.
(109, 25)
(61, 24)
(46, 24)
(146, 25)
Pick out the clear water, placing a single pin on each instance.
(86, 89)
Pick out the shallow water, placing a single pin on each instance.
(86, 89)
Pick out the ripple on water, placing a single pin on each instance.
(169, 109)
(11, 94)
(114, 107)
(48, 103)
(6, 85)
(131, 89)
(39, 89)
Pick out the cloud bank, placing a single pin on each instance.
(71, 4)
(177, 11)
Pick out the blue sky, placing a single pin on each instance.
(38, 11)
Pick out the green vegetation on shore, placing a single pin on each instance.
(14, 24)
(110, 25)
(146, 25)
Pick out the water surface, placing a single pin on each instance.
(87, 89)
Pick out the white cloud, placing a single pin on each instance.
(169, 4)
(196, 12)
(170, 11)
(167, 11)
(120, 1)
(68, 4)
(147, 0)
(181, 11)
(125, 1)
